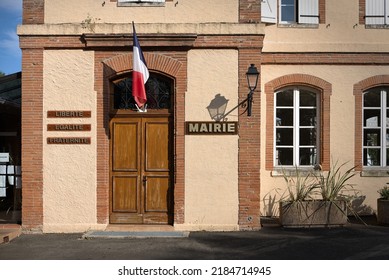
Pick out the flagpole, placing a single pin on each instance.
(140, 74)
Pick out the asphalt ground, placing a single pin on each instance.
(352, 242)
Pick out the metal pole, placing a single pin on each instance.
(249, 103)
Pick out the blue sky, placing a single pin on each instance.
(10, 54)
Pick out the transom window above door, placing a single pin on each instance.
(296, 127)
(159, 93)
(376, 127)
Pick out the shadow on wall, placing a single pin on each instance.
(217, 108)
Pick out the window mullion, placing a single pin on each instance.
(296, 127)
(383, 128)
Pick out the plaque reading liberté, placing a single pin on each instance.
(69, 114)
(211, 128)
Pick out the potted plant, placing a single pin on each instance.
(383, 205)
(318, 199)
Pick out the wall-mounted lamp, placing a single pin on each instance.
(217, 107)
(252, 81)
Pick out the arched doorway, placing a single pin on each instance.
(141, 152)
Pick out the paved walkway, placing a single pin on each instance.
(355, 241)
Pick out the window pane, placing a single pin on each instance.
(284, 136)
(284, 156)
(387, 118)
(371, 157)
(284, 117)
(372, 118)
(307, 98)
(387, 157)
(288, 14)
(372, 98)
(387, 138)
(308, 136)
(371, 137)
(287, 2)
(158, 91)
(285, 98)
(307, 117)
(308, 156)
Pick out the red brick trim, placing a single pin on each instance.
(322, 11)
(326, 58)
(325, 89)
(32, 139)
(359, 88)
(47, 41)
(228, 41)
(249, 146)
(362, 11)
(123, 63)
(249, 11)
(33, 11)
(95, 41)
(109, 65)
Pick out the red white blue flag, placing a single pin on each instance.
(140, 73)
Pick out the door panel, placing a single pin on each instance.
(141, 170)
(157, 194)
(125, 135)
(157, 146)
(125, 194)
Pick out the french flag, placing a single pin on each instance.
(140, 73)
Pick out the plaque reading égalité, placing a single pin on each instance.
(68, 127)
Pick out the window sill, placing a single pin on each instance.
(377, 26)
(140, 4)
(292, 171)
(298, 25)
(375, 173)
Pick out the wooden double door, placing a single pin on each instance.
(141, 170)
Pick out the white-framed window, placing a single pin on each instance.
(290, 11)
(296, 133)
(140, 2)
(376, 127)
(377, 12)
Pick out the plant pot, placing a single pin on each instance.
(382, 211)
(315, 213)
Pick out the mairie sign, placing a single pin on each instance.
(211, 128)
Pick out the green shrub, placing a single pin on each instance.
(384, 192)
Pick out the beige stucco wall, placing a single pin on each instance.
(69, 171)
(211, 162)
(342, 119)
(59, 11)
(341, 32)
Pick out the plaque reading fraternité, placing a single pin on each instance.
(69, 140)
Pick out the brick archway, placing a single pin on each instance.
(359, 88)
(109, 66)
(324, 87)
(123, 63)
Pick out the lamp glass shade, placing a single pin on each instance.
(252, 77)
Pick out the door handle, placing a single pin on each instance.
(144, 179)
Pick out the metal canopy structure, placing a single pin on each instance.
(11, 93)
